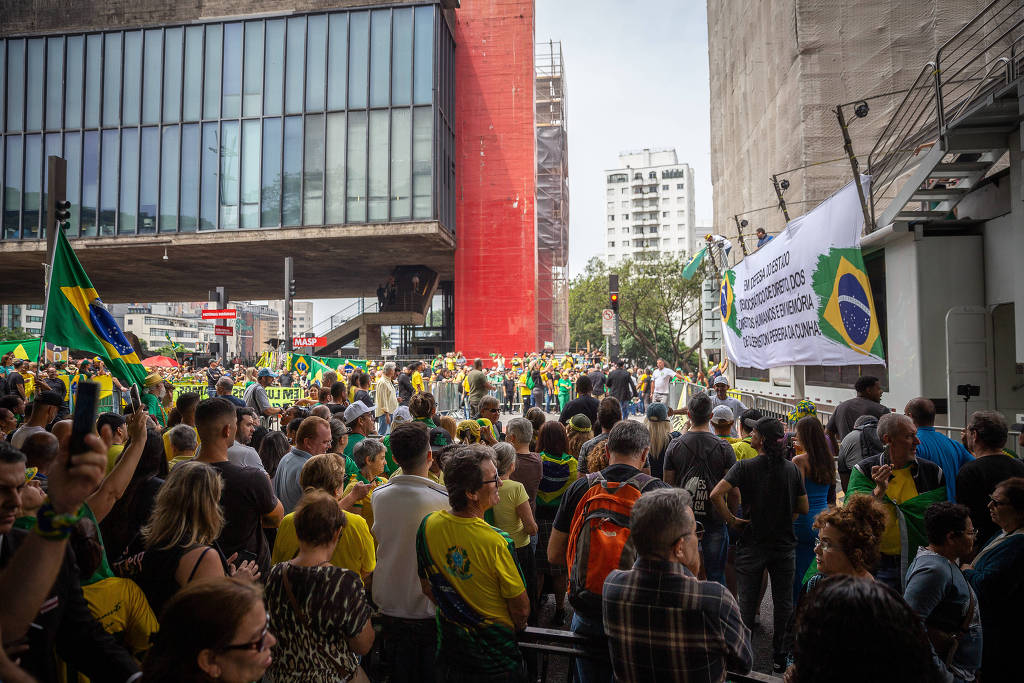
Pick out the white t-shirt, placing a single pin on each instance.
(22, 433)
(661, 379)
(398, 508)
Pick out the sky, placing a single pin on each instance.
(636, 76)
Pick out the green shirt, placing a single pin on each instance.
(154, 408)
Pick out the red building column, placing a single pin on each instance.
(495, 185)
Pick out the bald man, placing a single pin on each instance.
(935, 446)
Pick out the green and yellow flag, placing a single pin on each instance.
(77, 318)
(22, 348)
(694, 264)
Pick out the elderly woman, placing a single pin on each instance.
(995, 575)
(849, 540)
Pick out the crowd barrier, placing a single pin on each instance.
(279, 396)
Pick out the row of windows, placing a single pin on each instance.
(337, 61)
(643, 219)
(651, 175)
(666, 243)
(283, 171)
(638, 229)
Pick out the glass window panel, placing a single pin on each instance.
(273, 83)
(3, 96)
(291, 202)
(110, 153)
(401, 163)
(270, 190)
(33, 187)
(34, 84)
(232, 85)
(337, 64)
(191, 91)
(73, 77)
(334, 184)
(209, 153)
(93, 78)
(401, 57)
(73, 154)
(12, 186)
(174, 39)
(169, 170)
(51, 147)
(127, 221)
(90, 181)
(54, 81)
(229, 149)
(252, 81)
(356, 168)
(424, 45)
(358, 58)
(148, 178)
(296, 66)
(111, 79)
(15, 86)
(380, 57)
(316, 55)
(211, 87)
(189, 218)
(130, 101)
(313, 175)
(378, 166)
(250, 189)
(422, 139)
(152, 72)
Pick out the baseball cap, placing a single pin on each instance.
(721, 379)
(750, 417)
(355, 410)
(721, 414)
(266, 372)
(439, 438)
(401, 415)
(49, 398)
(770, 429)
(657, 412)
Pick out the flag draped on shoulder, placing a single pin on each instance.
(694, 265)
(77, 318)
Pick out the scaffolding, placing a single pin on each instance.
(552, 198)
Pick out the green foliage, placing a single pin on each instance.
(657, 308)
(165, 350)
(13, 333)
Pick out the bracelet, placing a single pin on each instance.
(53, 526)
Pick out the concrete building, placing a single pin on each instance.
(939, 134)
(158, 328)
(28, 317)
(649, 206)
(302, 315)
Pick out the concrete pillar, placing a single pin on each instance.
(369, 341)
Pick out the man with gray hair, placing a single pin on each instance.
(183, 443)
(385, 399)
(907, 485)
(529, 470)
(224, 388)
(663, 623)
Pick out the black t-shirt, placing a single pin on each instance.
(572, 496)
(57, 384)
(405, 388)
(285, 380)
(848, 411)
(681, 454)
(621, 385)
(212, 375)
(247, 495)
(976, 481)
(16, 384)
(597, 379)
(584, 405)
(769, 490)
(364, 396)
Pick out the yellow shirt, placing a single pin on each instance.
(417, 381)
(121, 608)
(355, 549)
(112, 454)
(364, 507)
(523, 388)
(511, 495)
(476, 560)
(743, 450)
(901, 488)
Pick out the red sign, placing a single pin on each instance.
(219, 314)
(223, 330)
(307, 342)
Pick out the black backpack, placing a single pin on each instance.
(699, 480)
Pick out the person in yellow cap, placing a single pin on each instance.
(153, 391)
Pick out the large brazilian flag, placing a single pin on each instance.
(77, 318)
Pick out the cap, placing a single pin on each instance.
(750, 416)
(265, 372)
(49, 398)
(804, 408)
(721, 379)
(657, 412)
(721, 414)
(580, 423)
(152, 379)
(401, 415)
(354, 411)
(439, 438)
(770, 429)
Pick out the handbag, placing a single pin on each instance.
(946, 643)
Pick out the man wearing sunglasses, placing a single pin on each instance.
(663, 623)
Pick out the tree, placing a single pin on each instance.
(13, 333)
(657, 308)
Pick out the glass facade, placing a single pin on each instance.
(316, 119)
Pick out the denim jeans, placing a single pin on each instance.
(624, 405)
(588, 670)
(714, 549)
(382, 425)
(751, 562)
(408, 650)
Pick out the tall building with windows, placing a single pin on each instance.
(28, 317)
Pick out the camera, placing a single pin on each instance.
(968, 390)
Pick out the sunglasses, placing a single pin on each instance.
(258, 645)
(996, 502)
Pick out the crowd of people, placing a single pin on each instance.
(360, 534)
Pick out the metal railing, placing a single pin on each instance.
(356, 308)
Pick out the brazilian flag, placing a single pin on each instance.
(299, 363)
(318, 369)
(846, 312)
(20, 347)
(728, 301)
(76, 317)
(694, 264)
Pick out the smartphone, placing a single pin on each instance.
(246, 556)
(136, 398)
(84, 420)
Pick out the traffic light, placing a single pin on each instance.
(291, 287)
(613, 292)
(614, 301)
(63, 211)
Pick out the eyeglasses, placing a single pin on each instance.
(496, 481)
(258, 645)
(996, 502)
(969, 532)
(825, 545)
(698, 531)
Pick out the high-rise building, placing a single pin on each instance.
(649, 206)
(28, 317)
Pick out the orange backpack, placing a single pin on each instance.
(597, 539)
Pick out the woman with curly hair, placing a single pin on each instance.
(580, 431)
(849, 539)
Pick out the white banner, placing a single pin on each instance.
(804, 298)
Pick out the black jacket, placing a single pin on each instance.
(621, 385)
(68, 626)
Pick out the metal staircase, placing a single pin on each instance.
(953, 125)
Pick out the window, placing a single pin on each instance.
(611, 218)
(664, 214)
(611, 205)
(625, 217)
(679, 186)
(679, 214)
(611, 192)
(617, 178)
(611, 245)
(625, 205)
(673, 173)
(680, 200)
(653, 174)
(664, 187)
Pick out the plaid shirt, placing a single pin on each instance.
(665, 625)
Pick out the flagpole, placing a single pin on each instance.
(47, 277)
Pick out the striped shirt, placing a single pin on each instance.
(663, 624)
